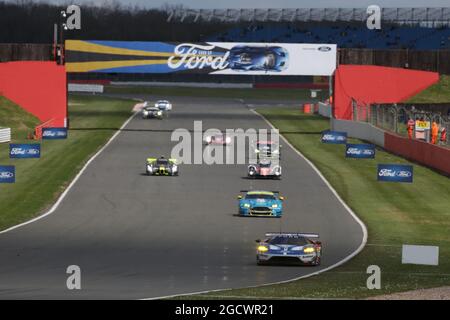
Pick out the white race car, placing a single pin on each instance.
(163, 105)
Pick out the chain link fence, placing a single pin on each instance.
(398, 117)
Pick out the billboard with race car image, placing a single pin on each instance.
(207, 57)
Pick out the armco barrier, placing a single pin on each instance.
(432, 156)
(5, 135)
(360, 130)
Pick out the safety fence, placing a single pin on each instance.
(417, 121)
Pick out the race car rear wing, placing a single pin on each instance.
(293, 235)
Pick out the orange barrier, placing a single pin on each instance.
(432, 156)
(375, 84)
(38, 87)
(306, 108)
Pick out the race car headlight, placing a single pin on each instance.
(297, 249)
(208, 139)
(149, 168)
(146, 112)
(263, 249)
(159, 113)
(275, 205)
(271, 247)
(256, 150)
(174, 168)
(246, 205)
(309, 250)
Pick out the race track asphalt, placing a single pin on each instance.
(135, 236)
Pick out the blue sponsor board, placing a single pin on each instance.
(395, 173)
(54, 133)
(360, 151)
(25, 150)
(7, 174)
(336, 137)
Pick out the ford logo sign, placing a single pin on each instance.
(324, 49)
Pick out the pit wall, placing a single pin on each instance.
(432, 156)
(39, 87)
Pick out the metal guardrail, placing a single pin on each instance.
(5, 135)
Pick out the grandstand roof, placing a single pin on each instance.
(396, 15)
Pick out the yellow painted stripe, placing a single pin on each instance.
(98, 65)
(83, 46)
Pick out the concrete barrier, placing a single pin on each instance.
(5, 135)
(360, 130)
(325, 109)
(77, 87)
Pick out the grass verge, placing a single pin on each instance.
(261, 94)
(437, 93)
(40, 181)
(394, 213)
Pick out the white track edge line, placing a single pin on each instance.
(337, 264)
(72, 183)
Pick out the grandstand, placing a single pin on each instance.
(402, 28)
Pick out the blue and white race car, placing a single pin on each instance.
(260, 204)
(163, 105)
(297, 248)
(267, 58)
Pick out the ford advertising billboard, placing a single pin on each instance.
(335, 137)
(7, 174)
(207, 57)
(360, 151)
(395, 173)
(21, 151)
(54, 133)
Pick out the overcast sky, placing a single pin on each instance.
(220, 4)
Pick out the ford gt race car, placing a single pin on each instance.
(298, 248)
(265, 169)
(161, 167)
(218, 139)
(267, 58)
(260, 204)
(163, 105)
(152, 112)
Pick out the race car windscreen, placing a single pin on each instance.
(260, 196)
(298, 241)
(162, 162)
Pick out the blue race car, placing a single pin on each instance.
(298, 248)
(258, 58)
(261, 204)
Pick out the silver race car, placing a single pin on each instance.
(296, 248)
